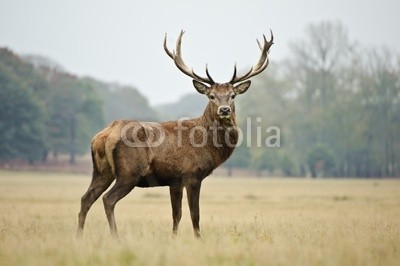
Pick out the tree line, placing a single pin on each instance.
(337, 105)
(46, 110)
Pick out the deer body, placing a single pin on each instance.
(178, 154)
(165, 164)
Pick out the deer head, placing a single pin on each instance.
(221, 95)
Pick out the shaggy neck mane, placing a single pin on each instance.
(222, 133)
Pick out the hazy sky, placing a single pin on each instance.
(121, 41)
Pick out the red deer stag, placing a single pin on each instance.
(177, 154)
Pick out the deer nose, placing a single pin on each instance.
(224, 110)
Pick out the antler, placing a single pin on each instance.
(261, 65)
(177, 57)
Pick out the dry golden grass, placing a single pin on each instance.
(244, 222)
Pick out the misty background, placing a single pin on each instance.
(122, 41)
(332, 87)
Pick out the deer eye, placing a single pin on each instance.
(212, 97)
(233, 96)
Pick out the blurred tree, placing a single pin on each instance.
(266, 159)
(21, 112)
(267, 103)
(239, 159)
(320, 161)
(379, 95)
(47, 110)
(318, 66)
(287, 165)
(75, 114)
(317, 60)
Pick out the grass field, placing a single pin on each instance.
(243, 222)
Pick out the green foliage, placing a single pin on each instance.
(44, 110)
(268, 159)
(75, 114)
(47, 110)
(320, 161)
(21, 112)
(240, 158)
(287, 165)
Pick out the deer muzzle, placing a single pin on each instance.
(224, 111)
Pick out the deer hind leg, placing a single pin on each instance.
(193, 195)
(121, 188)
(97, 186)
(176, 193)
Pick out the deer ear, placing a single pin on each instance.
(242, 87)
(200, 87)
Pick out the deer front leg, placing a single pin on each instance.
(193, 195)
(176, 193)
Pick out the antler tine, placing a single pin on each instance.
(177, 57)
(272, 37)
(259, 45)
(261, 64)
(208, 74)
(166, 48)
(234, 72)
